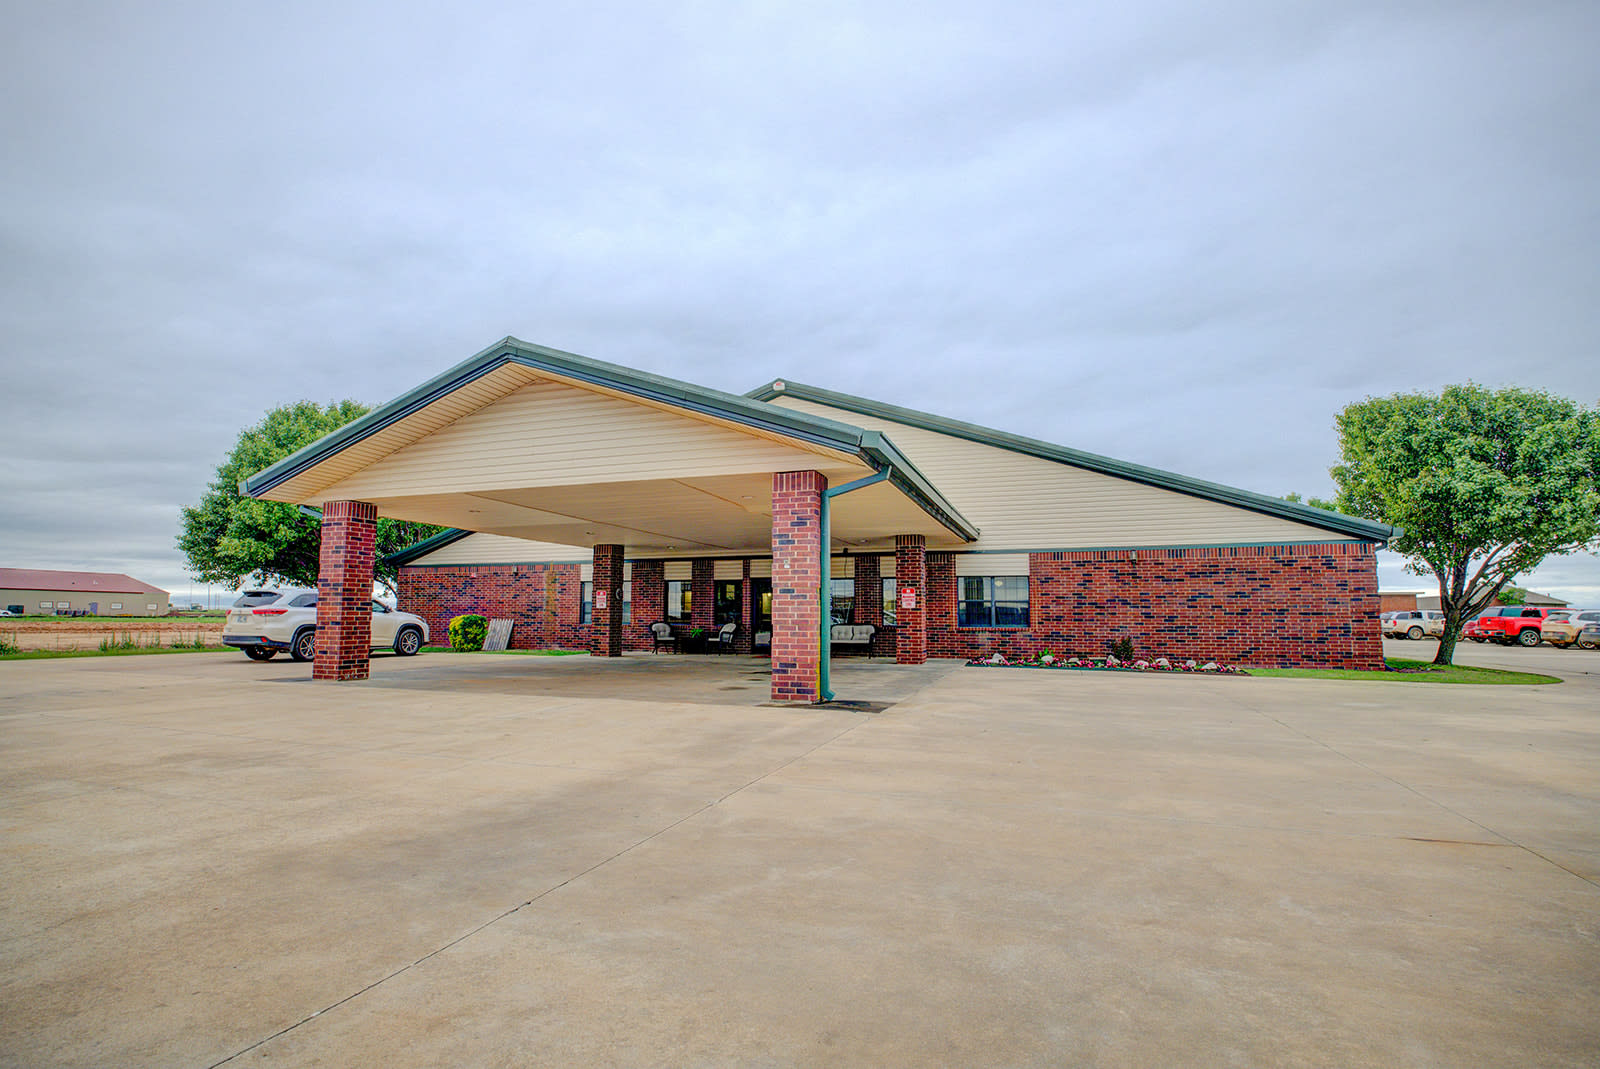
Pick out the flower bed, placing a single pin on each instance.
(1109, 663)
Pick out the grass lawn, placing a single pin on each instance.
(73, 621)
(1454, 674)
(137, 651)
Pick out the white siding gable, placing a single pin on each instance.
(1022, 502)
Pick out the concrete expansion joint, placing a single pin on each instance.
(519, 907)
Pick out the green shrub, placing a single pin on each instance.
(1122, 649)
(468, 632)
(8, 644)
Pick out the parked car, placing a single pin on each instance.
(1411, 624)
(1509, 624)
(1564, 627)
(1589, 637)
(263, 623)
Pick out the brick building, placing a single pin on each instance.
(588, 501)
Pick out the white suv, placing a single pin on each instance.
(263, 622)
(1412, 624)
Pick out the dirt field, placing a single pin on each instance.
(84, 633)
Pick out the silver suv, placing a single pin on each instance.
(265, 622)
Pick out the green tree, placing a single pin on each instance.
(1513, 595)
(229, 539)
(1484, 485)
(1314, 502)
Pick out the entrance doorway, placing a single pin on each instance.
(761, 604)
(728, 610)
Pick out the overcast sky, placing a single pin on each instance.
(1180, 234)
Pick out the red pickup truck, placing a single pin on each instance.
(1508, 624)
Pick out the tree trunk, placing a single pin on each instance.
(1447, 642)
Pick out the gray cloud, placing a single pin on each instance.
(1180, 235)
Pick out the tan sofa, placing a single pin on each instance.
(852, 635)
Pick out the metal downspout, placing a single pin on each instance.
(824, 663)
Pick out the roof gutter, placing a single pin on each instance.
(825, 620)
(1350, 526)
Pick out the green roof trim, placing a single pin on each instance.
(426, 546)
(871, 447)
(1351, 526)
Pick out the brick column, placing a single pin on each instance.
(344, 590)
(703, 595)
(745, 640)
(911, 623)
(796, 585)
(649, 598)
(605, 629)
(869, 591)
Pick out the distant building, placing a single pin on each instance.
(40, 591)
(1431, 601)
(1400, 601)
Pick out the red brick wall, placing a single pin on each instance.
(1289, 606)
(796, 585)
(703, 594)
(344, 590)
(543, 600)
(1265, 605)
(911, 624)
(649, 604)
(605, 632)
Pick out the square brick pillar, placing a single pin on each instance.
(911, 622)
(797, 585)
(605, 628)
(745, 640)
(649, 597)
(703, 595)
(344, 590)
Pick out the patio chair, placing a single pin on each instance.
(661, 634)
(725, 637)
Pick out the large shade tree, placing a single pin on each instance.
(229, 539)
(1484, 484)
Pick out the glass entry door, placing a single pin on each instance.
(761, 604)
(728, 608)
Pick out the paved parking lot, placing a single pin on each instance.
(532, 861)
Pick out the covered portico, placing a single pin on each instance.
(538, 444)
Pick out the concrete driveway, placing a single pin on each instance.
(530, 861)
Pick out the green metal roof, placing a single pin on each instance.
(870, 446)
(426, 546)
(1349, 526)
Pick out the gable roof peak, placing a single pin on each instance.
(1310, 515)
